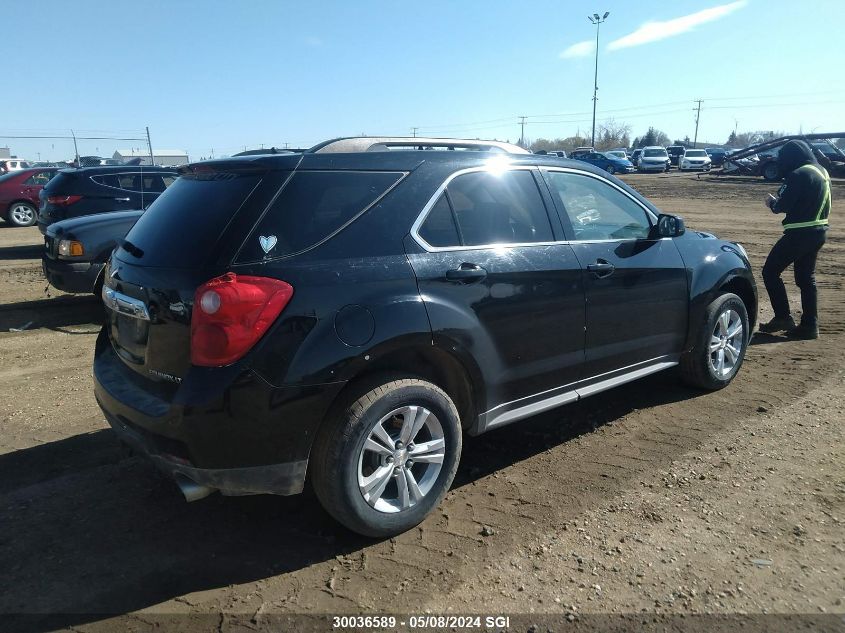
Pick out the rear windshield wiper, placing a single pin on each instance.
(130, 248)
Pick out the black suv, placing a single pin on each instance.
(76, 192)
(346, 315)
(675, 152)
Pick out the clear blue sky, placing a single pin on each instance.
(224, 75)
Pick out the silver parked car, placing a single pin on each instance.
(653, 158)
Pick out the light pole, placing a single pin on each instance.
(597, 20)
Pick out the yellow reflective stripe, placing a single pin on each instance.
(801, 225)
(825, 201)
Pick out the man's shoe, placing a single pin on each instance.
(778, 324)
(804, 332)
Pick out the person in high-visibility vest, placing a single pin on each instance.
(805, 199)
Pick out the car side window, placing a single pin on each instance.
(439, 228)
(130, 182)
(107, 180)
(39, 178)
(153, 183)
(597, 210)
(489, 208)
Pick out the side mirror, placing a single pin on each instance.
(670, 225)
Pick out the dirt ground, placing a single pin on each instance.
(653, 498)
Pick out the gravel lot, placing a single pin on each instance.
(652, 498)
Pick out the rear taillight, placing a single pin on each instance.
(63, 201)
(231, 313)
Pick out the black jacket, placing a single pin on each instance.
(805, 196)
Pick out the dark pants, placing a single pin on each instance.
(799, 247)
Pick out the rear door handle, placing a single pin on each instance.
(466, 273)
(601, 268)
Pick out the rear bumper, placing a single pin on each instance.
(227, 428)
(279, 479)
(651, 167)
(71, 276)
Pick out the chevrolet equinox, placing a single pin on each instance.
(345, 314)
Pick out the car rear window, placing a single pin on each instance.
(313, 206)
(181, 228)
(651, 153)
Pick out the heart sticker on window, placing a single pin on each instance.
(267, 242)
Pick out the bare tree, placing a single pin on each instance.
(612, 134)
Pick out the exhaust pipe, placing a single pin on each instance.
(192, 490)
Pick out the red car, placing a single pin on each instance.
(19, 194)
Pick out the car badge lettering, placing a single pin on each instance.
(164, 376)
(268, 243)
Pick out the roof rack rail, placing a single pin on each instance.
(387, 143)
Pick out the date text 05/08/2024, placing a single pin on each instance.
(420, 621)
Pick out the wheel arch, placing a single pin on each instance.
(427, 362)
(704, 290)
(745, 291)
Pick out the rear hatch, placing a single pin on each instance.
(175, 247)
(237, 217)
(63, 191)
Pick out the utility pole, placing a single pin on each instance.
(597, 20)
(150, 147)
(75, 148)
(522, 133)
(697, 116)
(414, 131)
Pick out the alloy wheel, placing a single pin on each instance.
(726, 343)
(401, 459)
(22, 214)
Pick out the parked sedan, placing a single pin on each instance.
(694, 159)
(653, 158)
(611, 164)
(13, 164)
(76, 192)
(19, 194)
(76, 250)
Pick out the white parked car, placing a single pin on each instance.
(13, 164)
(694, 159)
(617, 153)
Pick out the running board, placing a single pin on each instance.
(570, 396)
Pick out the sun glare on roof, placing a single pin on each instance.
(497, 165)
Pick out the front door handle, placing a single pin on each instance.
(466, 273)
(601, 268)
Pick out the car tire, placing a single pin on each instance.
(720, 345)
(611, 169)
(22, 214)
(771, 171)
(357, 479)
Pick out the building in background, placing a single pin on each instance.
(163, 157)
(5, 152)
